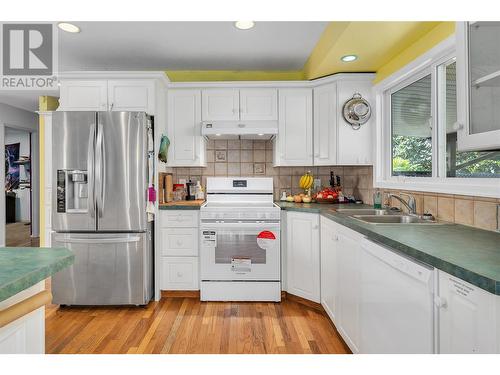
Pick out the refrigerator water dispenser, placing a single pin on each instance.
(72, 191)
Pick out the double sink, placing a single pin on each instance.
(384, 216)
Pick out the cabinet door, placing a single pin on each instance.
(220, 105)
(259, 104)
(83, 96)
(25, 335)
(328, 257)
(478, 86)
(354, 146)
(131, 95)
(293, 144)
(325, 125)
(179, 273)
(187, 146)
(303, 255)
(466, 317)
(348, 279)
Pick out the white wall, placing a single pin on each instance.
(13, 117)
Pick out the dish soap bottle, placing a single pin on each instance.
(377, 199)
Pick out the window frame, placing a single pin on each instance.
(429, 62)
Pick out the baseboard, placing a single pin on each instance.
(180, 294)
(302, 301)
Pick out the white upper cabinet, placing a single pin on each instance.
(478, 86)
(354, 147)
(325, 125)
(220, 105)
(466, 317)
(107, 95)
(293, 145)
(303, 255)
(259, 104)
(187, 146)
(131, 95)
(83, 95)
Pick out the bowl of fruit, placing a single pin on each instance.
(327, 195)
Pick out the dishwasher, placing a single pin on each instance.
(396, 305)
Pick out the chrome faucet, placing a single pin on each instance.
(411, 205)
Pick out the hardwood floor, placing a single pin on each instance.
(18, 235)
(186, 325)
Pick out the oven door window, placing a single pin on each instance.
(231, 245)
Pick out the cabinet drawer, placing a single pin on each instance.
(179, 241)
(179, 219)
(179, 273)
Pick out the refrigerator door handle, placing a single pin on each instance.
(97, 240)
(91, 171)
(100, 169)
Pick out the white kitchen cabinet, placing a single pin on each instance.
(107, 95)
(325, 124)
(349, 285)
(131, 95)
(329, 265)
(83, 95)
(259, 104)
(478, 86)
(467, 317)
(178, 248)
(303, 255)
(180, 273)
(293, 145)
(25, 335)
(187, 146)
(354, 147)
(220, 105)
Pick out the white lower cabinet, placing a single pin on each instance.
(179, 243)
(180, 273)
(329, 240)
(349, 285)
(302, 254)
(467, 317)
(25, 335)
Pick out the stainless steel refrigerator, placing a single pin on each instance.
(100, 181)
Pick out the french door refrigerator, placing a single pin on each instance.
(99, 184)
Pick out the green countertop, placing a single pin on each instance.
(23, 267)
(468, 253)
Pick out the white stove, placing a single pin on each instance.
(240, 241)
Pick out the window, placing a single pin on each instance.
(411, 127)
(461, 164)
(416, 138)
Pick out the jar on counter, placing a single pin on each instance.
(179, 192)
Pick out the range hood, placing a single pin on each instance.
(263, 130)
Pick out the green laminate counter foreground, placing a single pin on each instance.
(468, 253)
(23, 267)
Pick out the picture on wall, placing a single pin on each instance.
(11, 167)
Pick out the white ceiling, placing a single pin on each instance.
(188, 46)
(179, 46)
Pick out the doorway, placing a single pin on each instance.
(20, 216)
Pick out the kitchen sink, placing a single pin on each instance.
(363, 211)
(393, 219)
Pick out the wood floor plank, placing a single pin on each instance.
(186, 325)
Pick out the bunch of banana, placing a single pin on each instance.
(306, 181)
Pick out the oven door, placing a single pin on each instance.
(240, 250)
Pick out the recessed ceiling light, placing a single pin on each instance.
(217, 135)
(68, 27)
(261, 134)
(244, 25)
(349, 58)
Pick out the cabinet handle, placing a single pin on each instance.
(315, 227)
(111, 106)
(335, 238)
(440, 302)
(458, 126)
(179, 242)
(179, 274)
